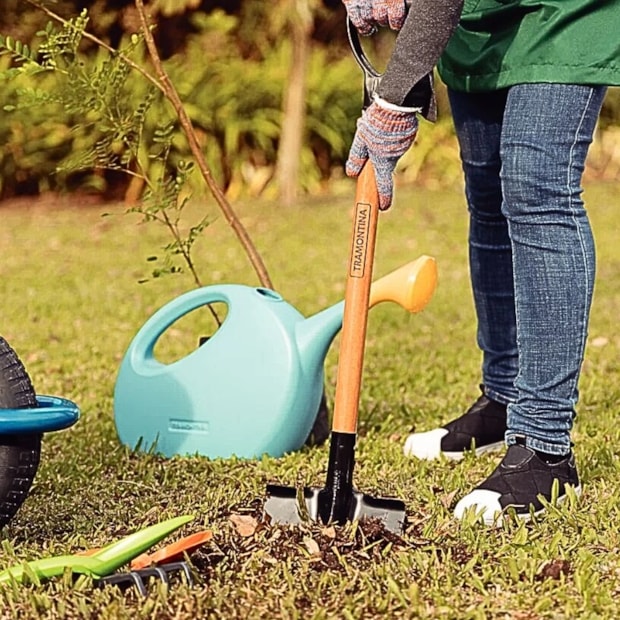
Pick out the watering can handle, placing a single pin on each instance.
(411, 285)
(356, 302)
(144, 342)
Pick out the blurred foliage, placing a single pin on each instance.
(108, 126)
(228, 60)
(231, 75)
(610, 114)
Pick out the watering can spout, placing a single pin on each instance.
(315, 335)
(411, 286)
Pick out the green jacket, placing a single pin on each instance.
(499, 43)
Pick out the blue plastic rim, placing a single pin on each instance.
(52, 414)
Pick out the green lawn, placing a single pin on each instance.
(71, 304)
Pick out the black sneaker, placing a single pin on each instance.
(481, 428)
(519, 482)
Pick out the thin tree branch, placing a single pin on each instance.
(173, 96)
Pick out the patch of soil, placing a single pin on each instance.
(336, 548)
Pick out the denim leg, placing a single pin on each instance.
(546, 132)
(478, 122)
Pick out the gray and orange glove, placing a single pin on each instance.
(366, 15)
(384, 134)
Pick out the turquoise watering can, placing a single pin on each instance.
(255, 386)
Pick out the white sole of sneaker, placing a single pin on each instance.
(427, 446)
(457, 456)
(487, 507)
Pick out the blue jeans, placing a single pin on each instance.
(531, 249)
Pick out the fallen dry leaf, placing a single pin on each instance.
(446, 499)
(245, 524)
(329, 532)
(312, 546)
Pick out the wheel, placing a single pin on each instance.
(19, 454)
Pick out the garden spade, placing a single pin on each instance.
(338, 501)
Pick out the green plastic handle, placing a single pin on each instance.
(100, 564)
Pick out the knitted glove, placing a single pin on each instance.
(366, 15)
(384, 134)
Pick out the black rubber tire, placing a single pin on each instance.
(19, 454)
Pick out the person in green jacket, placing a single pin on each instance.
(526, 81)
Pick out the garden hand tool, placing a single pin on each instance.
(172, 552)
(102, 564)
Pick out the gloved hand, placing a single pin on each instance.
(366, 15)
(384, 134)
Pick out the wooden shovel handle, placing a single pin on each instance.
(356, 300)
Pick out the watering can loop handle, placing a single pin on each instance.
(141, 349)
